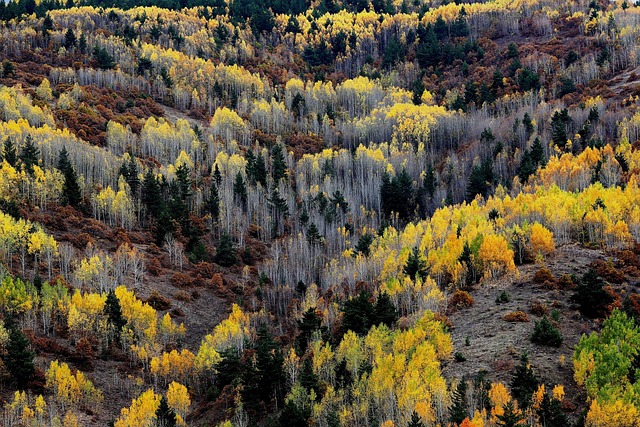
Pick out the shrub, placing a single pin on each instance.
(538, 308)
(503, 298)
(592, 297)
(516, 316)
(459, 357)
(158, 302)
(545, 333)
(543, 275)
(461, 299)
(182, 296)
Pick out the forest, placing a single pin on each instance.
(327, 213)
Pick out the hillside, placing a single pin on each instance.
(326, 213)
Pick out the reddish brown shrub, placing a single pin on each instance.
(158, 302)
(516, 316)
(566, 282)
(181, 280)
(607, 271)
(182, 296)
(84, 353)
(543, 275)
(461, 299)
(538, 308)
(153, 266)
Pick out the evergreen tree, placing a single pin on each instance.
(313, 234)
(152, 195)
(113, 311)
(524, 382)
(537, 153)
(9, 152)
(213, 202)
(29, 155)
(384, 312)
(310, 324)
(459, 407)
(69, 39)
(416, 265)
(225, 254)
(278, 164)
(527, 167)
(480, 180)
(511, 417)
(592, 299)
(358, 314)
(103, 59)
(308, 379)
(129, 171)
(364, 245)
(240, 191)
(550, 412)
(545, 333)
(260, 171)
(217, 176)
(559, 122)
(416, 421)
(18, 357)
(165, 416)
(71, 193)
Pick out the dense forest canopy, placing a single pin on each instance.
(319, 213)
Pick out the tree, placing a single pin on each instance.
(545, 333)
(103, 59)
(113, 311)
(480, 180)
(165, 416)
(213, 202)
(524, 382)
(511, 417)
(29, 155)
(240, 191)
(18, 357)
(9, 152)
(364, 244)
(152, 195)
(593, 300)
(278, 164)
(358, 313)
(459, 407)
(225, 254)
(69, 39)
(71, 194)
(416, 265)
(550, 412)
(416, 421)
(384, 312)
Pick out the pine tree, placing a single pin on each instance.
(165, 416)
(29, 155)
(524, 382)
(545, 333)
(537, 152)
(260, 171)
(69, 39)
(384, 311)
(213, 202)
(129, 170)
(416, 265)
(550, 412)
(415, 420)
(459, 407)
(364, 245)
(225, 254)
(152, 195)
(308, 379)
(9, 152)
(71, 193)
(18, 357)
(511, 417)
(278, 164)
(240, 191)
(313, 235)
(358, 314)
(113, 311)
(527, 166)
